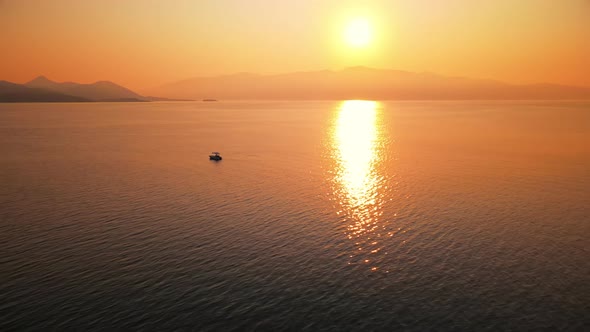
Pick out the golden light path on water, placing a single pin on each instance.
(357, 141)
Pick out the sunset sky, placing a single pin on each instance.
(145, 43)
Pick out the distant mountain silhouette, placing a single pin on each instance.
(99, 91)
(41, 89)
(361, 83)
(18, 93)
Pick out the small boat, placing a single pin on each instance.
(215, 156)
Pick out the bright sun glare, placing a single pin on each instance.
(358, 32)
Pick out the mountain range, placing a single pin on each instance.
(360, 83)
(42, 89)
(349, 83)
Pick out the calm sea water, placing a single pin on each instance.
(336, 216)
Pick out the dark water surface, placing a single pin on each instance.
(335, 216)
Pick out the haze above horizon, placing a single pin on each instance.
(142, 45)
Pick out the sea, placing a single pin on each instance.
(322, 216)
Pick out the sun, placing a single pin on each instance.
(358, 32)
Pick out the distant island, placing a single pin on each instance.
(361, 83)
(41, 89)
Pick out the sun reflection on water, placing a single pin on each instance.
(357, 142)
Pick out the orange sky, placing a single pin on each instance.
(144, 43)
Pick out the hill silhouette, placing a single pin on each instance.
(42, 89)
(17, 93)
(360, 83)
(99, 91)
